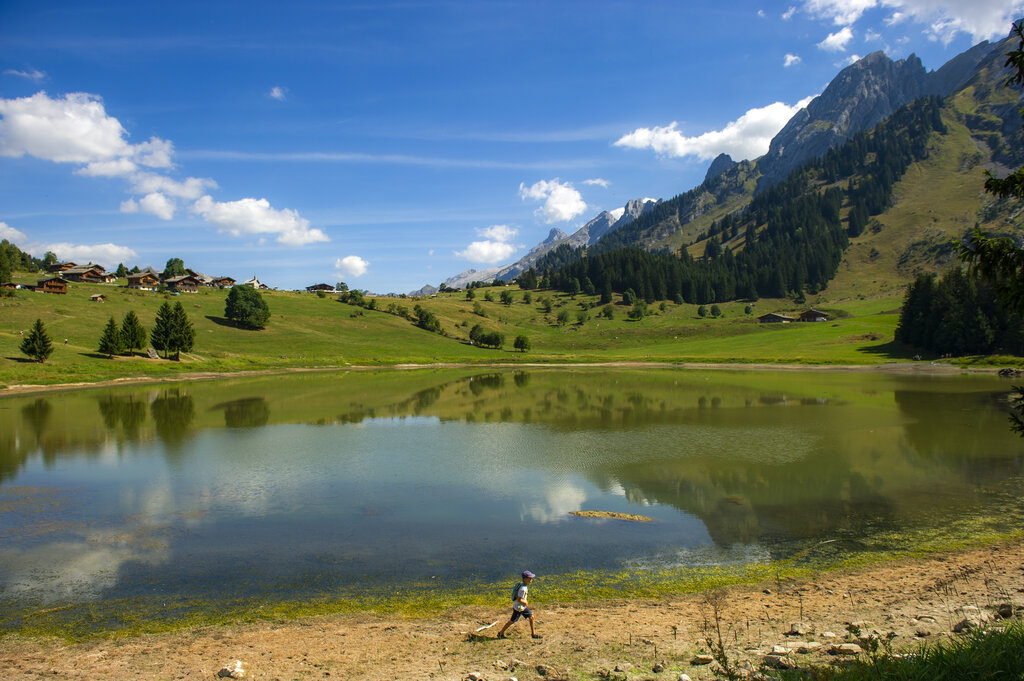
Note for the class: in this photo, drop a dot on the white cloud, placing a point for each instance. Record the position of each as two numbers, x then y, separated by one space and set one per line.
12 235
119 167
852 59
598 181
498 232
745 138
561 200
944 19
108 254
31 74
190 188
788 14
836 42
279 93
351 265
791 60
761 13
487 251
255 216
129 206
74 129
157 204
496 246
841 12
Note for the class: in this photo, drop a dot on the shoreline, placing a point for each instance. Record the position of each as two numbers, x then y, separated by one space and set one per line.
917 600
921 368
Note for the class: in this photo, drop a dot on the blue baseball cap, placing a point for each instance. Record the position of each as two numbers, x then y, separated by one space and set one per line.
527 573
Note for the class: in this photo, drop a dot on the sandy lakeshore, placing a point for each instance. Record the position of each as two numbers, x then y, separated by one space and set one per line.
918 600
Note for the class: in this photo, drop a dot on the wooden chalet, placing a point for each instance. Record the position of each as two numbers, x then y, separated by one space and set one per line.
143 281
61 266
10 286
97 298
52 285
223 282
186 283
87 274
320 287
775 318
813 315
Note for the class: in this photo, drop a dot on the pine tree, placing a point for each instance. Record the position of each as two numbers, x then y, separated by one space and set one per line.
133 333
160 337
37 343
111 341
183 333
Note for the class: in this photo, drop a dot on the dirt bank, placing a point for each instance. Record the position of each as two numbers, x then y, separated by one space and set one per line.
918 600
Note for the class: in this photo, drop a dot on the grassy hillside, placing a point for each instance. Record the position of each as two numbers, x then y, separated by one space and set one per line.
308 331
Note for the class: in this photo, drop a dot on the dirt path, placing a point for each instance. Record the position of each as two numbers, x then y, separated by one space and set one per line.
918 600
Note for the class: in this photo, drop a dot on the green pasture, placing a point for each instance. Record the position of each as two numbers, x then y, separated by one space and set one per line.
306 330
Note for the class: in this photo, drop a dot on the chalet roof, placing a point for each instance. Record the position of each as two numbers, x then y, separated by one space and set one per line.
181 278
82 269
776 315
143 273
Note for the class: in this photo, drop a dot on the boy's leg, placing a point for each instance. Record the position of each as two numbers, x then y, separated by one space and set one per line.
533 632
501 633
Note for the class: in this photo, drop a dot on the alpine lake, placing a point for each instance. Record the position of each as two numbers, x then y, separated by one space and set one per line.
144 507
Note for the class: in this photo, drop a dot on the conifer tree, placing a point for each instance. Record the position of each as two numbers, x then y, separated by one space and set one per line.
160 337
183 333
37 343
111 341
133 333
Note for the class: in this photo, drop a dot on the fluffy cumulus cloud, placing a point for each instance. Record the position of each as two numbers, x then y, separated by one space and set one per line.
256 216
837 42
600 182
943 19
77 129
351 266
745 138
561 200
12 235
279 93
108 254
495 246
790 60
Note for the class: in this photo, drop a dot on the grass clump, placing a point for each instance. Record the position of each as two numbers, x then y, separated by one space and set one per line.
979 654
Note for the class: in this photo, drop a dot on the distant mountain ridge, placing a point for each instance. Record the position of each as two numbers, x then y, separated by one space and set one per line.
860 96
589 234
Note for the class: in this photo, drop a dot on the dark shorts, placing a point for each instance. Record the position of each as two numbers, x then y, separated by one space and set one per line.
516 614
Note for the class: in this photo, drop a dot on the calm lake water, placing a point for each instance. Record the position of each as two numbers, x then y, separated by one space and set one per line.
305 486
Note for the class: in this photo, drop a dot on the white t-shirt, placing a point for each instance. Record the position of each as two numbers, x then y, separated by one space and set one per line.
520 596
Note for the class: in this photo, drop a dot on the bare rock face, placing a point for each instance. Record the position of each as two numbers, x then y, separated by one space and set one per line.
857 99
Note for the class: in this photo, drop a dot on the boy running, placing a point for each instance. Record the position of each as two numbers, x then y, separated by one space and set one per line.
520 605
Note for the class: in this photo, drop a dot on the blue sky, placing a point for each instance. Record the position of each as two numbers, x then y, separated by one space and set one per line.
393 144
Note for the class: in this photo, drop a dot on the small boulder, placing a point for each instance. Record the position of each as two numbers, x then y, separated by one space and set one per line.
796 629
778 662
701 659
808 647
658 667
780 650
845 649
683 677
1005 610
475 676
